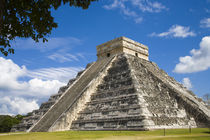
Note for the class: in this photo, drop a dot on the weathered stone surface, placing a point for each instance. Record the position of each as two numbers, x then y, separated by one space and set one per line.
123 91
171 105
122 45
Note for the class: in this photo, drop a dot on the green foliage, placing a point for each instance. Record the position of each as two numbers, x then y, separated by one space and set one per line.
29 19
6 122
19 117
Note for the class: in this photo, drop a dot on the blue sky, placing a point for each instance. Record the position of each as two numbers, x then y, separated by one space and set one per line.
177 33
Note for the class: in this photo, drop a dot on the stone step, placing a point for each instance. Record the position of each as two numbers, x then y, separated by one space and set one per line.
107 86
47 104
115 90
114 119
125 81
164 120
116 80
111 99
120 108
122 74
114 93
118 69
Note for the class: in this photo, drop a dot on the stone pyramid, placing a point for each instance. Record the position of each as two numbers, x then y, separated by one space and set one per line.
122 90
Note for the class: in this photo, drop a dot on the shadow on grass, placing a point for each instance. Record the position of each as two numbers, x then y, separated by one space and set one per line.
207 132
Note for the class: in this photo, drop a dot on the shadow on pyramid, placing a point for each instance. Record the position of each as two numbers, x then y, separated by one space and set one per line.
122 90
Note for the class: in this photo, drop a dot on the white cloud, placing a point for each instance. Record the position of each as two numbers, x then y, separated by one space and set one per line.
115 4
61 74
19 95
148 6
187 83
198 61
10 72
131 8
42 88
143 5
205 23
53 43
176 31
10 83
126 11
139 20
65 57
16 105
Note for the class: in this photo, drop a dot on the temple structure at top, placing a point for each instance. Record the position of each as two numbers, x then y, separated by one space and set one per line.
122 45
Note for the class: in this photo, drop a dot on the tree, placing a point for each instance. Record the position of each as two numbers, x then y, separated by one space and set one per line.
29 19
6 122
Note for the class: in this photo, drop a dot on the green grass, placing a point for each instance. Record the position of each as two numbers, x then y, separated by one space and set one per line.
171 134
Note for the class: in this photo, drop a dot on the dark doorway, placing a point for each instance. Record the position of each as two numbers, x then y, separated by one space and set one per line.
136 54
108 54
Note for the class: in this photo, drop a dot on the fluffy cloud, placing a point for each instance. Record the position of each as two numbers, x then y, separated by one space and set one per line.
176 31
42 88
142 5
10 72
17 105
10 83
187 83
21 96
205 23
198 61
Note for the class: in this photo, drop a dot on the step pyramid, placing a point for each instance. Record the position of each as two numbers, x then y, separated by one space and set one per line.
123 90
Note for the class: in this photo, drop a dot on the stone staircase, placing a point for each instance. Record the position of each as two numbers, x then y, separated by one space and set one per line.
70 96
115 104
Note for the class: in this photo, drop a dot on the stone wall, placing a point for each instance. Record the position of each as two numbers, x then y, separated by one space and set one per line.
122 45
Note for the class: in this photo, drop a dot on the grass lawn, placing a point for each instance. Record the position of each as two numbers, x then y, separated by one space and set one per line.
172 134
